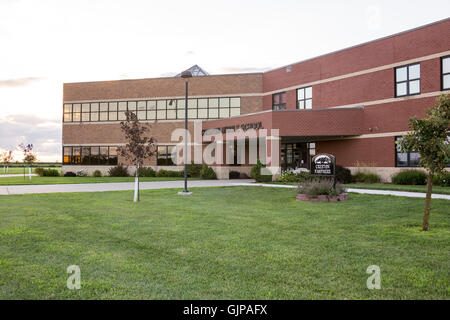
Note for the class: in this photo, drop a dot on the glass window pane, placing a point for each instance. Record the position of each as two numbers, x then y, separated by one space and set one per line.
76 116
171 114
161 114
170 161
308 104
171 104
95 155
301 104
446 81
162 156
94 107
67 155
112 115
414 159
151 115
94 116
402 159
202 103
308 92
151 105
235 112
103 106
192 103
300 93
85 116
132 105
446 65
67 117
414 86
161 105
213 113
77 107
180 113
202 113
181 104
122 116
76 155
235 102
224 102
401 89
213 103
85 154
400 74
122 105
192 113
85 107
283 97
67 108
141 105
103 159
224 113
414 71
112 106
142 115
103 116
113 157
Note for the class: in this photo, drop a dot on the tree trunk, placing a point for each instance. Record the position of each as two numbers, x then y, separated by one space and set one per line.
426 214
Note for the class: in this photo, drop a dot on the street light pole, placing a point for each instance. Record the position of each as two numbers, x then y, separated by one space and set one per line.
186 75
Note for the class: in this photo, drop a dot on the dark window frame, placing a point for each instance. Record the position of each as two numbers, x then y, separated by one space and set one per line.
408 80
444 74
280 105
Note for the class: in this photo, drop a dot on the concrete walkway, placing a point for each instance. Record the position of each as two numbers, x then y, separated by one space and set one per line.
179 184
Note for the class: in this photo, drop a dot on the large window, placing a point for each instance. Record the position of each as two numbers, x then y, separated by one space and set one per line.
405 159
167 109
407 80
279 101
445 68
304 98
90 155
164 156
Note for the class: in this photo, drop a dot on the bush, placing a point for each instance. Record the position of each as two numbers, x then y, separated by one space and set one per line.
118 171
193 170
414 177
207 172
317 187
169 173
288 177
97 173
442 179
39 171
146 172
50 173
70 174
234 175
343 175
366 177
255 173
81 173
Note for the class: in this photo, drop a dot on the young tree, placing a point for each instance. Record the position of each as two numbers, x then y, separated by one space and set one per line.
428 137
28 156
139 146
7 157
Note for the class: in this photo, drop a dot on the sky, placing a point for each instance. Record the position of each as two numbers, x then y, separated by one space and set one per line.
46 43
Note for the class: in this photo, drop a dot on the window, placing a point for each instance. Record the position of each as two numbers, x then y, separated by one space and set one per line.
304 98
407 80
279 101
405 159
90 155
67 158
164 156
445 67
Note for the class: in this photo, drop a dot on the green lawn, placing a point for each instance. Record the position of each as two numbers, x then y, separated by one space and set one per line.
221 243
397 187
64 180
16 170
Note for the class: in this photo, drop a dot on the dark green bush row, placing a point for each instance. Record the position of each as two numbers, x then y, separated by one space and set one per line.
366 177
207 172
97 173
255 173
169 173
118 171
70 174
318 186
193 170
411 177
343 175
146 172
42 172
442 180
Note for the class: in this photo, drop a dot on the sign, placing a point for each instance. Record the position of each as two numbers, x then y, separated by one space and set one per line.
323 164
243 127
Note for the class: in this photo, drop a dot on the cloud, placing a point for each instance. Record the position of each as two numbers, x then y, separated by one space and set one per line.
19 82
44 134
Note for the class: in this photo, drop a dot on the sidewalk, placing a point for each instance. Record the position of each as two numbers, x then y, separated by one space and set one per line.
17 175
179 184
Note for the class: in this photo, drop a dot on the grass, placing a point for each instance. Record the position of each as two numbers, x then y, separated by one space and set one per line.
397 187
219 244
7 181
16 170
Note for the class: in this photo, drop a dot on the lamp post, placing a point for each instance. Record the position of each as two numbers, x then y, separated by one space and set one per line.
186 75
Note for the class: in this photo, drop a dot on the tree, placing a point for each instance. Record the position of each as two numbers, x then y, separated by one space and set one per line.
428 137
7 157
139 146
28 156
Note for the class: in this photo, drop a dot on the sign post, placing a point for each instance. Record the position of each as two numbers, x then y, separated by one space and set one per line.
324 164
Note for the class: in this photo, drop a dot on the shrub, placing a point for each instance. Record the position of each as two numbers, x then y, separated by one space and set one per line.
118 171
255 173
162 173
193 170
70 174
39 171
234 175
207 172
146 172
415 177
288 177
50 173
343 175
81 173
97 173
317 187
442 180
366 177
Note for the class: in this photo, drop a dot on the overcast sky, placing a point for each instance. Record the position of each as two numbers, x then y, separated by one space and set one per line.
46 43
